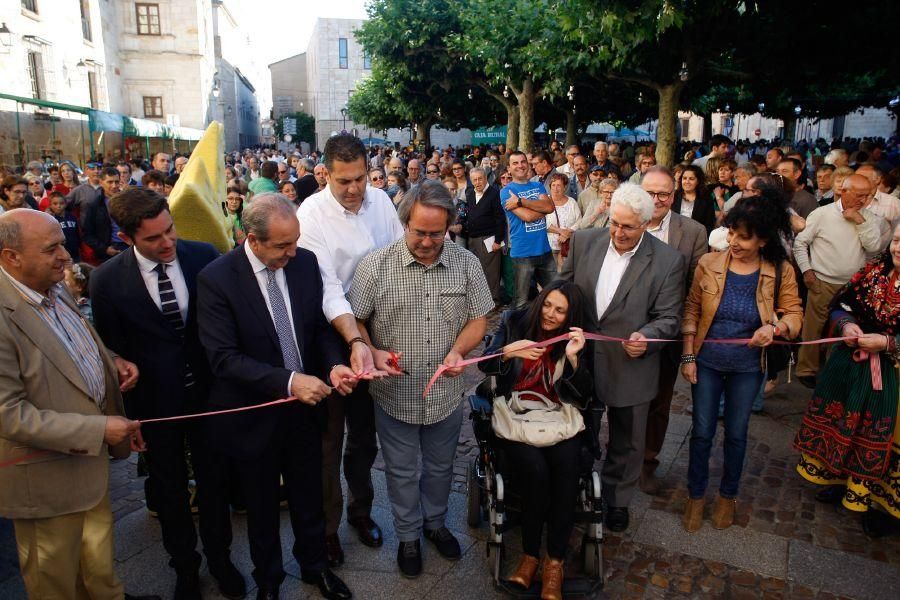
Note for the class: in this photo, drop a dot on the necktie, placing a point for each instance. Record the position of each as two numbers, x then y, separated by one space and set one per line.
282 324
169 307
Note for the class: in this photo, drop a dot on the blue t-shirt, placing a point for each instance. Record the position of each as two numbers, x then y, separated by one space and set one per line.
525 239
736 317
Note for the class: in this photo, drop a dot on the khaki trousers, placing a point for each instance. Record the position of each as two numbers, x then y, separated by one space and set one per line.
70 556
817 300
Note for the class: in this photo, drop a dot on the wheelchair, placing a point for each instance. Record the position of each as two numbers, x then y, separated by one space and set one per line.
492 498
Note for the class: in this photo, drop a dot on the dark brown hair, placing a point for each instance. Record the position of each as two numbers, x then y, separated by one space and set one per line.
131 206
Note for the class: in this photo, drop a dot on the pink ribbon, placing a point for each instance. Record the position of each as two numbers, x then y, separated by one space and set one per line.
874 359
606 338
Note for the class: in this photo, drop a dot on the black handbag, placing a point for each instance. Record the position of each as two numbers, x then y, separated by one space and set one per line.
779 356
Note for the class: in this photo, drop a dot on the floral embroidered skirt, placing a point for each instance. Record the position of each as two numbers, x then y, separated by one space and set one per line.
850 434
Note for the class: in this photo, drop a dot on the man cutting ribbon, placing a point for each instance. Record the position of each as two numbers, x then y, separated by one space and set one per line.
424 300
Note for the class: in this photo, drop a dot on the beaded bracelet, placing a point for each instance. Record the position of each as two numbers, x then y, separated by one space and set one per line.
688 358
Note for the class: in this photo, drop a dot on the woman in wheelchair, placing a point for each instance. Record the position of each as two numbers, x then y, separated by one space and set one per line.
549 475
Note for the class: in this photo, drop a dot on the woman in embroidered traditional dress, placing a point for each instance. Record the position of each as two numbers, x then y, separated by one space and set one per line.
850 436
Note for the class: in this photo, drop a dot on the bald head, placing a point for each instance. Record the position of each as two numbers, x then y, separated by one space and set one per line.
870 173
32 248
855 191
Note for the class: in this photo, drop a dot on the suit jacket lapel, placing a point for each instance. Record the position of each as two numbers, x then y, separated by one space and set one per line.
594 256
675 231
638 263
189 269
25 317
250 289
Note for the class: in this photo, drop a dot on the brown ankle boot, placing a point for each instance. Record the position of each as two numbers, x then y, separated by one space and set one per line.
551 579
723 512
525 571
693 515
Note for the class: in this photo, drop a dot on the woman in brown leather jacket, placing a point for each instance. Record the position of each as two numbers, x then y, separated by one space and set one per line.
733 296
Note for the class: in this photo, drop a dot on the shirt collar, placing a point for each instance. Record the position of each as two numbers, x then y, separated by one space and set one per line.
337 206
663 225
255 264
407 257
145 264
628 254
31 296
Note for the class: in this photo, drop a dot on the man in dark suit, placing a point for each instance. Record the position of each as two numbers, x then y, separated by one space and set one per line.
145 309
634 287
261 322
688 237
306 184
98 230
486 221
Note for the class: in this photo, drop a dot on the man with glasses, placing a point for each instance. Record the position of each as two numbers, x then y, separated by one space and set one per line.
633 285
425 302
284 173
414 172
341 224
688 237
526 203
569 167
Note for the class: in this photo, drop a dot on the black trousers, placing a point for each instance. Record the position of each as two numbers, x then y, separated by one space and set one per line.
548 482
294 452
168 481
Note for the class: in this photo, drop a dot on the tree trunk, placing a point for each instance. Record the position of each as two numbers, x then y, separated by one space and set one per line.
423 134
665 130
526 116
571 128
512 126
707 128
790 129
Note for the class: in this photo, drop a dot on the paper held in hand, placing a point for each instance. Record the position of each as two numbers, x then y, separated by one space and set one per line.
489 244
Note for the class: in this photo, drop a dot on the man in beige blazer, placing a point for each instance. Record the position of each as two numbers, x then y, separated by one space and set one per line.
60 419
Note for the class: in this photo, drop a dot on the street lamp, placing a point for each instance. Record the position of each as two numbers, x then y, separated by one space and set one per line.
683 74
343 119
761 106
215 90
5 35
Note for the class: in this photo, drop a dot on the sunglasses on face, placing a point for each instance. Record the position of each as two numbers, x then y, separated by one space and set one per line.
432 172
377 178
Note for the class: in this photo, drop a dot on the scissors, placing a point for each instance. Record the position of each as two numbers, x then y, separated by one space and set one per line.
394 363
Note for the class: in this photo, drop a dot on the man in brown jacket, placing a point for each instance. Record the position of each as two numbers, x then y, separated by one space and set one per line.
60 418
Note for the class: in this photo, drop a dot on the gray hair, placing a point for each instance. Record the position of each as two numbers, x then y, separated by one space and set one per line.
428 193
259 212
634 197
599 145
10 234
748 168
606 182
477 170
308 165
834 154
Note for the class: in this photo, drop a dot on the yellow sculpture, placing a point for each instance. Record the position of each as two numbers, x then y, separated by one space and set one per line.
196 200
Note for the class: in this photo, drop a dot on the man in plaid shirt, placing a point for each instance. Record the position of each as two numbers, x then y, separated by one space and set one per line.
420 303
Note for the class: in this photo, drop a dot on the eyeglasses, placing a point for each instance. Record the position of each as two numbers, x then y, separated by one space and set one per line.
378 178
432 172
627 228
660 195
457 168
421 235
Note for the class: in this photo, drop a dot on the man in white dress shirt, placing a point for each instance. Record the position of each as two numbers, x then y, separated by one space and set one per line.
341 224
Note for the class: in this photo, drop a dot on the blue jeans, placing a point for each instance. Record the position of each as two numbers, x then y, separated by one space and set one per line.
740 391
543 268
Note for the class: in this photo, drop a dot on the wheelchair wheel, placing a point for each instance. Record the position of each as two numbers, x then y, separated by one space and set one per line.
591 558
473 497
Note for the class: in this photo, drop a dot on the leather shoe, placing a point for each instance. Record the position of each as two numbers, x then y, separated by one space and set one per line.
231 582
187 585
329 584
368 531
130 597
333 551
617 518
409 559
443 540
267 594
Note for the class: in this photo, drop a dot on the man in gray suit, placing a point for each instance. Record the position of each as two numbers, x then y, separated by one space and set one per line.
634 287
688 237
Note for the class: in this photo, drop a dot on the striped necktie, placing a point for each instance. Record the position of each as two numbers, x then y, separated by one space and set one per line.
282 321
170 310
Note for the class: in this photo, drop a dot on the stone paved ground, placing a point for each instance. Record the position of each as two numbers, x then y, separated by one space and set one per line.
784 544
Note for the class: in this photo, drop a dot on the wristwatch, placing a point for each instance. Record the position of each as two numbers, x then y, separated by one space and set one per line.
519 202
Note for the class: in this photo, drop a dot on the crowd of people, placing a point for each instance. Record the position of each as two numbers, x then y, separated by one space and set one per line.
358 272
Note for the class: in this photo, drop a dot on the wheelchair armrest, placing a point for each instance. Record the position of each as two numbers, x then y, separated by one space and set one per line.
481 405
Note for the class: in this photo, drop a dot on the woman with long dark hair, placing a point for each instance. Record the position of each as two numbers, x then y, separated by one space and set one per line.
692 200
850 438
733 295
560 373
